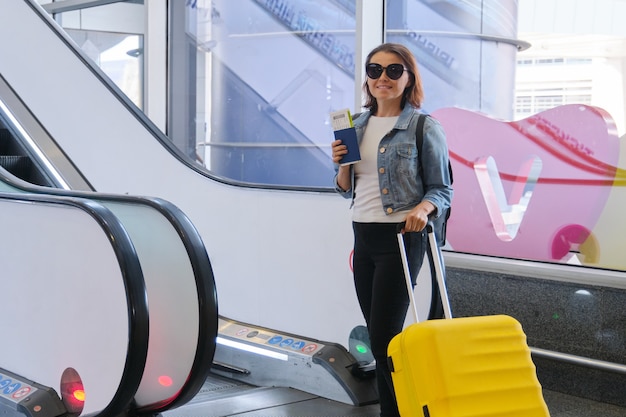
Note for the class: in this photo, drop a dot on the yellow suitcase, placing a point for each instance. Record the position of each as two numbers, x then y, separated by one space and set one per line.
463 367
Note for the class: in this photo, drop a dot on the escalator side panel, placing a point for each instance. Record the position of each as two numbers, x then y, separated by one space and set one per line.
75 300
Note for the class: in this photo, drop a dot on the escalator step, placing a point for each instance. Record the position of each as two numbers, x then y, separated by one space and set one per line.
20 166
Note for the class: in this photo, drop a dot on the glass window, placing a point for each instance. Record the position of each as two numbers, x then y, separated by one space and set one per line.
112 37
118 55
460 61
266 74
579 104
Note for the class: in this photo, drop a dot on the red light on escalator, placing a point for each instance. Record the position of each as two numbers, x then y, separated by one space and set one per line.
165 380
72 391
79 395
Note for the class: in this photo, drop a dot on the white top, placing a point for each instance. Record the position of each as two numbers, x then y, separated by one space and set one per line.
368 207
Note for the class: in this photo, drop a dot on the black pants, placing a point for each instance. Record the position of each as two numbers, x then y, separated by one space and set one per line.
382 294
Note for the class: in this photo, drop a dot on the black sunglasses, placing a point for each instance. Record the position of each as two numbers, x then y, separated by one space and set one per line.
394 71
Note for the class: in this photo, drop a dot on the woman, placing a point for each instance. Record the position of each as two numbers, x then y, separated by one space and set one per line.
386 188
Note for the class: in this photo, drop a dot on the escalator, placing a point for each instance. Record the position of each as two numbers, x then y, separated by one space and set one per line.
155 358
15 161
171 265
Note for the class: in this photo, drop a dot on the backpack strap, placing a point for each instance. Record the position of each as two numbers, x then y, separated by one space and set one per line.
419 140
441 222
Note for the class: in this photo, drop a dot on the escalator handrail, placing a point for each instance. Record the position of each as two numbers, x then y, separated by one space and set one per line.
200 264
207 300
137 302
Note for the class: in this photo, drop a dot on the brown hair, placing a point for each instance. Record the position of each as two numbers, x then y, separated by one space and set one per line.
413 93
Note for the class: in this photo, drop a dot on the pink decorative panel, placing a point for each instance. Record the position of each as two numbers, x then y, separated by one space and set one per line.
534 188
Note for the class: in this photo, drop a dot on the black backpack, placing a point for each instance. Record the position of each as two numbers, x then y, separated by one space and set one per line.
440 223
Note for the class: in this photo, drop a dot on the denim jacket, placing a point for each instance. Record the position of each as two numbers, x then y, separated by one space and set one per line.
399 182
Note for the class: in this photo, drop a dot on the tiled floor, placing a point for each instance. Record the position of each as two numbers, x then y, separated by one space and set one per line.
239 400
562 405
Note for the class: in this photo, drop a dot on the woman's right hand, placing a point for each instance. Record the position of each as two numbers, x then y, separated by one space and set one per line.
339 150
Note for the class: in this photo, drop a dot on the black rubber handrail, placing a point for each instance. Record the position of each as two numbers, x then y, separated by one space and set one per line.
207 300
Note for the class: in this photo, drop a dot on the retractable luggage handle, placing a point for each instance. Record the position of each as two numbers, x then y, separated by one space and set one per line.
435 261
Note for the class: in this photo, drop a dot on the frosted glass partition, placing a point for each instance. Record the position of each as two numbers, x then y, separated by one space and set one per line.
74 287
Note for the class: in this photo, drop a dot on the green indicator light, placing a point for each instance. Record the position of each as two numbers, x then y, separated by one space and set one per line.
361 348
556 316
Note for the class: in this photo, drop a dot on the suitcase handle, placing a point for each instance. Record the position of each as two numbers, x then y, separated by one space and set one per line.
435 260
429 227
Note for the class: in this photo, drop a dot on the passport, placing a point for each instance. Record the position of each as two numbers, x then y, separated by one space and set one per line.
344 130
348 138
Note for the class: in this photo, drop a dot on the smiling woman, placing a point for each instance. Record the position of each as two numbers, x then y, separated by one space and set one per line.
388 186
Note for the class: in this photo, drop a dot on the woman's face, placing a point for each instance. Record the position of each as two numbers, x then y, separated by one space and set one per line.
384 89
